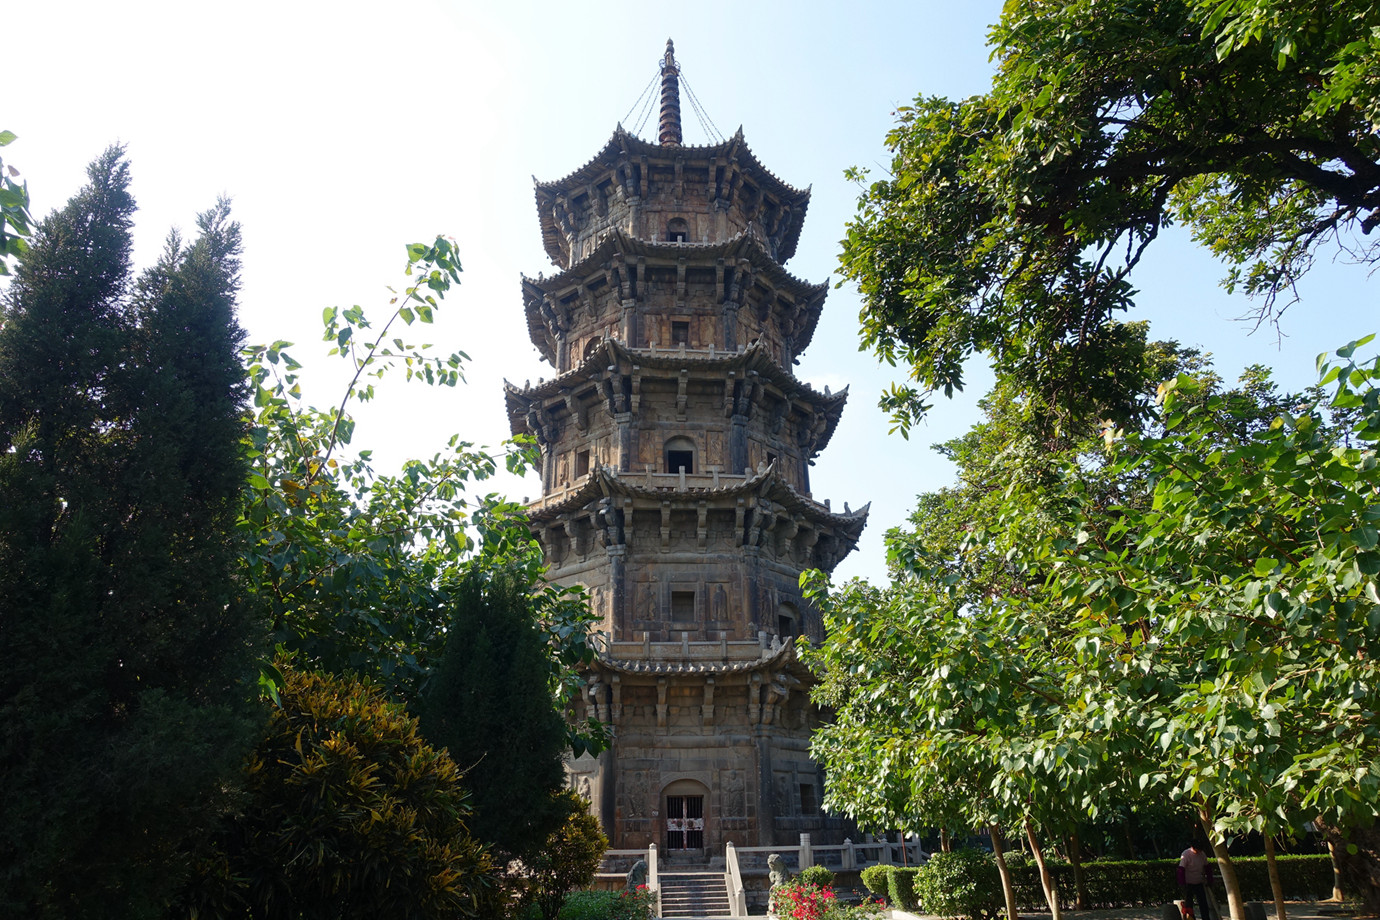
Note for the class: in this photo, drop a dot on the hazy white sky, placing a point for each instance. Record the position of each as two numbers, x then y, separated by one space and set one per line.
344 130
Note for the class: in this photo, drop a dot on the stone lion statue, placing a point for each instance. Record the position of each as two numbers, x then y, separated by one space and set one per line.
780 875
637 875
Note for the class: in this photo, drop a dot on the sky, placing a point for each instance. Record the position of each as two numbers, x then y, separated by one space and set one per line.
343 131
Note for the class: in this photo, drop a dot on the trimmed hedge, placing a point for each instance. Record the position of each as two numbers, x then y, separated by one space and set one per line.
1150 882
901 887
874 879
961 883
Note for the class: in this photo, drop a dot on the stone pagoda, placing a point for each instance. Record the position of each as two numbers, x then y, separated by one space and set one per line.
676 449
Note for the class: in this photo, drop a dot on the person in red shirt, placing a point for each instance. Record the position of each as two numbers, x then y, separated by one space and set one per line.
1195 874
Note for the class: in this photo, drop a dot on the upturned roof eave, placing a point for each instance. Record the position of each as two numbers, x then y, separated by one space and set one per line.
622 141
744 242
605 482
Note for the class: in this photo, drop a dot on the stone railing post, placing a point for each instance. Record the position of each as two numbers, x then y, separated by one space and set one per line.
652 883
807 855
849 860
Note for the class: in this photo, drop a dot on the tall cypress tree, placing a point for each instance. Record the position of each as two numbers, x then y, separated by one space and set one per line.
124 700
488 702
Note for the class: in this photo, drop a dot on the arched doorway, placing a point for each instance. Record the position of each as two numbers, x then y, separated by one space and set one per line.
684 806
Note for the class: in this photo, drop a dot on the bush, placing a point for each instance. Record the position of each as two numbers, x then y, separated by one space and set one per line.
347 814
962 883
819 876
901 887
797 900
568 860
874 879
867 910
1139 883
608 905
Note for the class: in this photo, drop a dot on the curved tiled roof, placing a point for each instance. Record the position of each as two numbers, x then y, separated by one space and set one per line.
745 244
783 653
606 482
753 358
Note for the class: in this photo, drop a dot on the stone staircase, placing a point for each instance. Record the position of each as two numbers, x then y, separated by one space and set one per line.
694 894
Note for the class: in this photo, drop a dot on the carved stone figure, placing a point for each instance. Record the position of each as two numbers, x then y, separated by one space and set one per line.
780 875
637 875
635 801
734 794
785 802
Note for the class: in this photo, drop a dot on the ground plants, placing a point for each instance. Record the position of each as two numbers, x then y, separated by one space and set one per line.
634 904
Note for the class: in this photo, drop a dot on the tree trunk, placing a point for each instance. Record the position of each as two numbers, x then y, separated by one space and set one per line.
1275 887
1046 880
1007 889
1219 849
1360 870
944 840
1080 886
1336 870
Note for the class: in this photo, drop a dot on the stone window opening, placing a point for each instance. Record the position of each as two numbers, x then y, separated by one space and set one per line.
680 333
787 620
808 805
680 455
581 463
677 230
682 606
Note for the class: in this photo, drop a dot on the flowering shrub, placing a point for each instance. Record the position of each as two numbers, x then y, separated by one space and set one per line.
799 900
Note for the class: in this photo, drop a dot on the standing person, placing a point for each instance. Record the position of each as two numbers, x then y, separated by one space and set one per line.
1195 874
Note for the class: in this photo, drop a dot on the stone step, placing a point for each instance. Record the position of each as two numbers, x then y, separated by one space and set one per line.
693 895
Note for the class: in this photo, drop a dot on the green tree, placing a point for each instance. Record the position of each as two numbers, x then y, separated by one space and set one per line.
568 860
15 222
355 565
1192 616
489 701
1010 223
125 704
348 814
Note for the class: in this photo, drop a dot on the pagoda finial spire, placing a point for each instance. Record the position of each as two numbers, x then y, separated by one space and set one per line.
668 133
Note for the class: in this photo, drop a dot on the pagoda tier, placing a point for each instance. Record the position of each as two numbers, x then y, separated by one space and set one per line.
729 719
732 547
621 406
719 295
714 192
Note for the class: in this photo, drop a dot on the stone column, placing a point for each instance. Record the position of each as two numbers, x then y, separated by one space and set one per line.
766 791
738 446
